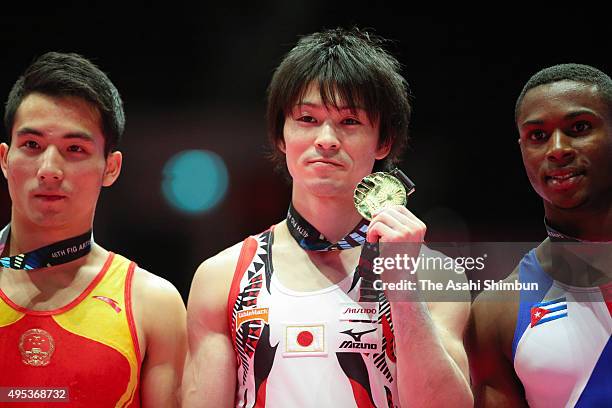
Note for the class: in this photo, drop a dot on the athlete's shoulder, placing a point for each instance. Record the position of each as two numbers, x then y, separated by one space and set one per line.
222 265
498 305
145 283
212 279
499 300
498 309
209 293
158 306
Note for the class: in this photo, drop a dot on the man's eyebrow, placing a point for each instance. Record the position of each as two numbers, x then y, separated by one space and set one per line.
306 103
340 108
532 122
570 115
72 135
580 112
29 131
79 135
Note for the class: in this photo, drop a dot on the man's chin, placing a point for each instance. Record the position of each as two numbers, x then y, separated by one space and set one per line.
328 188
50 219
567 203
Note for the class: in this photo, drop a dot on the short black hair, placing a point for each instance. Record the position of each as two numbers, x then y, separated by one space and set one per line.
348 65
569 72
67 74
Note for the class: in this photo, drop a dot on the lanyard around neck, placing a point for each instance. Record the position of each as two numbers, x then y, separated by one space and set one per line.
311 239
54 254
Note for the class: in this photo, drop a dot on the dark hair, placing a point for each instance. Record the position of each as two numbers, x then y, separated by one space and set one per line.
59 74
569 72
350 66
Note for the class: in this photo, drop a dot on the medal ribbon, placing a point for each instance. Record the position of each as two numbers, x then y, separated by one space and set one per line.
557 236
310 239
51 255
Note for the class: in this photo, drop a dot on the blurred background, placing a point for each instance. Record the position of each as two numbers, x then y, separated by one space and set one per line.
195 178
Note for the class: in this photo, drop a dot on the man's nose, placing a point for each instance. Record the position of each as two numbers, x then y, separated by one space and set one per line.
327 137
51 165
560 150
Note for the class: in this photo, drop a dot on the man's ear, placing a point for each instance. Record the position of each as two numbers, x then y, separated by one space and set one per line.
280 144
383 150
113 168
4 148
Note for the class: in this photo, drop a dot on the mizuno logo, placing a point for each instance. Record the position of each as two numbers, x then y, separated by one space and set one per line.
355 345
357 336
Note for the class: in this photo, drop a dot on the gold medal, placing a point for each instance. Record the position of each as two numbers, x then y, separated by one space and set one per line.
380 190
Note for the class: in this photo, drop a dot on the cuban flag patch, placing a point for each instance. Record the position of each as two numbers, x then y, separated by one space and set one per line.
548 311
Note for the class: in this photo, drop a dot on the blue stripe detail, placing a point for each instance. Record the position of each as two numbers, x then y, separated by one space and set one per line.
555 309
548 319
550 302
597 392
529 271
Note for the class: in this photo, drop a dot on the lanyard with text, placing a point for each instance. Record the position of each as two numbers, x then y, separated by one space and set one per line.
557 236
51 255
311 239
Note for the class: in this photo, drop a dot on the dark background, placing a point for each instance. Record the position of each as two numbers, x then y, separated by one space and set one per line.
195 78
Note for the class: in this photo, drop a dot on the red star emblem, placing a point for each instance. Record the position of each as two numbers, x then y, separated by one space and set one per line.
537 313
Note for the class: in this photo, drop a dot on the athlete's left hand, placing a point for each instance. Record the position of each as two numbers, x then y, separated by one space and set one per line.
396 224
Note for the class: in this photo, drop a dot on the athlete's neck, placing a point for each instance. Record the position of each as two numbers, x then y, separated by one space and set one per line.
37 289
583 224
26 236
334 217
